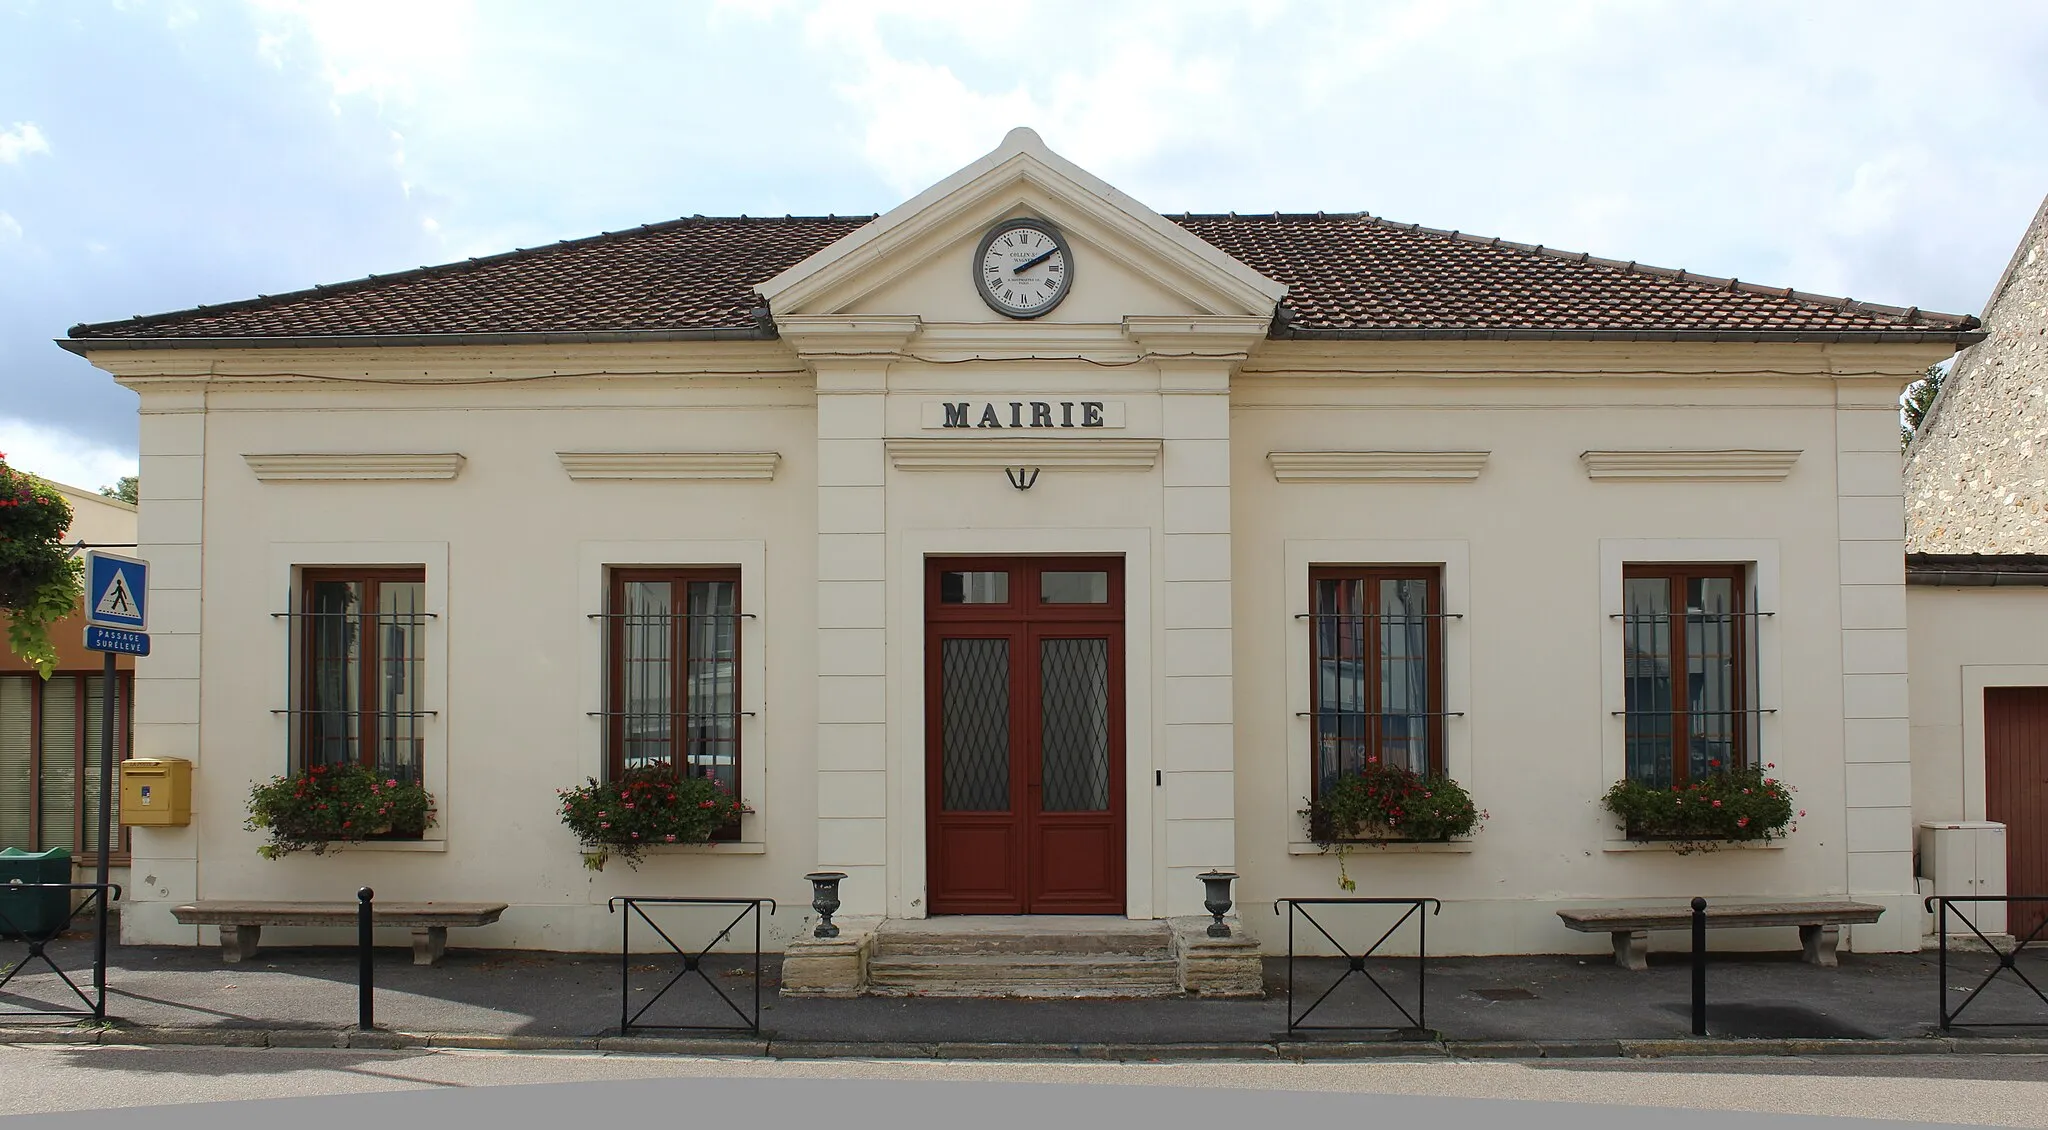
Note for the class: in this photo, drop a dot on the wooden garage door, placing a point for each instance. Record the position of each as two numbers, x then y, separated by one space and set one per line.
2016 795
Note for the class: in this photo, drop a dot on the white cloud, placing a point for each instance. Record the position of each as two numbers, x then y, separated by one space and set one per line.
22 140
382 49
61 455
10 228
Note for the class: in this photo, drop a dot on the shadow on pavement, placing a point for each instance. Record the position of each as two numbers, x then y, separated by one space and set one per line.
263 1061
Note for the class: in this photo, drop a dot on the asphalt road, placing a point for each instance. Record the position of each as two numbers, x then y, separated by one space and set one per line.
309 1089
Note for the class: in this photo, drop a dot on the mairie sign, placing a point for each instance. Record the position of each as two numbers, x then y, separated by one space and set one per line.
116 591
116 639
1023 413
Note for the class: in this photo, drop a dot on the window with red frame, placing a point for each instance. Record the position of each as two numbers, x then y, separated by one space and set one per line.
1376 666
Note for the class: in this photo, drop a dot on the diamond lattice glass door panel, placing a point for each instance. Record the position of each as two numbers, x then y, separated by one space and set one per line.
974 724
1073 728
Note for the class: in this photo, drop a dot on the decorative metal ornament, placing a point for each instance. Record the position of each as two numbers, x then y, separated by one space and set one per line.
1216 899
1023 478
825 900
1022 268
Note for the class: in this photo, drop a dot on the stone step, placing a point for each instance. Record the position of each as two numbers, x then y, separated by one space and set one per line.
970 936
1022 945
1024 975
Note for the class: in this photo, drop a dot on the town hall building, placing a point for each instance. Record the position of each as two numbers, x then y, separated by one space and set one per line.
1024 551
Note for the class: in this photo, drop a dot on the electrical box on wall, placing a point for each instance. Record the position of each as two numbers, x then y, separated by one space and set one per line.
1963 859
156 792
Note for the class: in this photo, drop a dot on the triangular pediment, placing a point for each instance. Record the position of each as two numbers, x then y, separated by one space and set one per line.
915 260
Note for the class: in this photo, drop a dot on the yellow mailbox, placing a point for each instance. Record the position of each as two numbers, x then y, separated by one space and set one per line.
156 792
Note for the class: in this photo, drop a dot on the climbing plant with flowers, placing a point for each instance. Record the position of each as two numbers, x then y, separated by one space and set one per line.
1724 805
644 808
325 805
40 582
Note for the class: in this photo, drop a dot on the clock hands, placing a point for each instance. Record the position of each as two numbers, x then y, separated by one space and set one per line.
1030 263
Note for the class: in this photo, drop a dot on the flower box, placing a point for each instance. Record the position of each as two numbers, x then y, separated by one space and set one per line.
1387 804
643 809
1724 806
325 806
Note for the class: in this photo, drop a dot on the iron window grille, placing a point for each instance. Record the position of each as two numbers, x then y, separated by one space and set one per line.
671 682
1688 671
1376 669
359 659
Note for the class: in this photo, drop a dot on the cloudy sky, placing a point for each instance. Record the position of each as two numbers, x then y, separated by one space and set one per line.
157 154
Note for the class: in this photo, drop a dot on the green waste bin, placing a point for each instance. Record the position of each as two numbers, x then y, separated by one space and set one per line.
40 913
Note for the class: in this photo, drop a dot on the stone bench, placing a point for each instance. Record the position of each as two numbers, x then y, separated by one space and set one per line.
1820 924
241 922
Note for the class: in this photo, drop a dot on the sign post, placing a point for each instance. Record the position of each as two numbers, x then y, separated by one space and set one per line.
117 620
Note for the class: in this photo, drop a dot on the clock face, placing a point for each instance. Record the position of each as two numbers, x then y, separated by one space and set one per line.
1022 268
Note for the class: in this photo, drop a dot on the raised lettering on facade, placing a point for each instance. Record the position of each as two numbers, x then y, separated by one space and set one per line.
1026 415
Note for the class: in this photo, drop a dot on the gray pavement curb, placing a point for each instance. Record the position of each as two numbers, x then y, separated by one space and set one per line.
757 1048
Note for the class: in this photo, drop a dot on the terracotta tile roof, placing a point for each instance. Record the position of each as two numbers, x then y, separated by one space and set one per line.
1359 272
1347 274
688 274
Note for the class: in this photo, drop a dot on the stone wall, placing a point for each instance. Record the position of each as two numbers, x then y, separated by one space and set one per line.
1975 482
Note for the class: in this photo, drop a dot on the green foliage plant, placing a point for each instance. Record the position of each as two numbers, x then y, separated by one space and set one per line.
41 581
1725 805
1382 804
645 807
327 805
1918 400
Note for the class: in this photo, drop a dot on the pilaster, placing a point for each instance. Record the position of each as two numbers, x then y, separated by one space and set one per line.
164 867
1877 781
1195 358
851 358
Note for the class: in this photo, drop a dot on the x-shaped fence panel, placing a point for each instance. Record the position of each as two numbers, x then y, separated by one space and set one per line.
37 944
2005 961
686 962
1417 910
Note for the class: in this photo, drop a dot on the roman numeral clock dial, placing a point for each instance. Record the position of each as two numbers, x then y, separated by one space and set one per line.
1022 268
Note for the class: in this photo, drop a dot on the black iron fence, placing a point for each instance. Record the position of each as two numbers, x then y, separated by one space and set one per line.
1417 910
683 962
2005 962
22 924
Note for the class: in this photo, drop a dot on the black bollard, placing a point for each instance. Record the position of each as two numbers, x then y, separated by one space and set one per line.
1699 966
366 1010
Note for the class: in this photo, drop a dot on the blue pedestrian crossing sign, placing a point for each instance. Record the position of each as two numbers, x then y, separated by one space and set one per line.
116 591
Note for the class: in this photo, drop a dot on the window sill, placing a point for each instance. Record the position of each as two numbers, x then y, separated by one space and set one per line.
393 845
1671 847
717 847
1392 847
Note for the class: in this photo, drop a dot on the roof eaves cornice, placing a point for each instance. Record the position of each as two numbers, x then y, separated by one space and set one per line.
763 330
1286 331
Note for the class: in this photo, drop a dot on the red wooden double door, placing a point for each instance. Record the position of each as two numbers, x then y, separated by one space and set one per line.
1024 735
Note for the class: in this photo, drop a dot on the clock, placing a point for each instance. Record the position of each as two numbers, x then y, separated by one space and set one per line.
1022 268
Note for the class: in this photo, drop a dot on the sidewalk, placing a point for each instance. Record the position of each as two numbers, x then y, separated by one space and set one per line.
1513 1006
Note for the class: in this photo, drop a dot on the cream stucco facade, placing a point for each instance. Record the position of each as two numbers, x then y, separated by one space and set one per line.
1226 467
